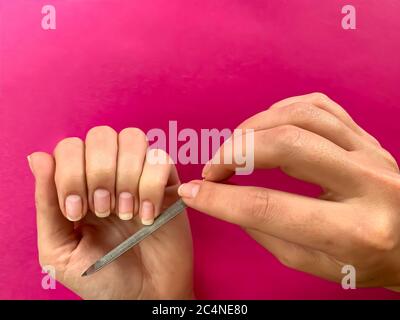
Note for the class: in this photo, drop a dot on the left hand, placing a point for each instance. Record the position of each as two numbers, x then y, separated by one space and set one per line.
83 211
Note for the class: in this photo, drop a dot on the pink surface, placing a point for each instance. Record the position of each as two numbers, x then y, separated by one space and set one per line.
205 64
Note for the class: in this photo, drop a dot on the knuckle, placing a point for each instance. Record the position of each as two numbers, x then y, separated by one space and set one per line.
379 236
100 131
305 111
292 260
106 172
319 96
44 206
274 106
128 177
389 159
386 186
260 204
147 188
288 137
286 261
74 181
148 185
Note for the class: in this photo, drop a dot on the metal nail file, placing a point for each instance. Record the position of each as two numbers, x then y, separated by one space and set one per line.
133 240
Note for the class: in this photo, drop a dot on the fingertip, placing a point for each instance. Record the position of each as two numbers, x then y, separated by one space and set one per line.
41 164
216 172
189 189
206 169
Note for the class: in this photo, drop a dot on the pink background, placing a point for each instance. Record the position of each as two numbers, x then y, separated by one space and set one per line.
205 64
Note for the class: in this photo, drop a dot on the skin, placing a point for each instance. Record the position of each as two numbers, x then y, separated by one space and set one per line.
356 220
160 267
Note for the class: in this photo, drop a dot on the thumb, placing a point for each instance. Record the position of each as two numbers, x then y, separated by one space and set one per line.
234 204
53 229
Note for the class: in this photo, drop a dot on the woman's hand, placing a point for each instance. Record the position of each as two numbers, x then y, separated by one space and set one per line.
86 196
356 220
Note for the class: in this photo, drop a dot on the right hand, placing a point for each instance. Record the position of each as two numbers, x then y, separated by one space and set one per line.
356 220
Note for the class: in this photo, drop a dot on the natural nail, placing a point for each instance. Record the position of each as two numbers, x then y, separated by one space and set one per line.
189 190
125 206
73 207
147 213
102 203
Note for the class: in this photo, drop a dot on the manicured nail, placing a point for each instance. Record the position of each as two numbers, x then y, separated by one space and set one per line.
30 163
189 190
73 207
147 213
102 203
206 169
125 206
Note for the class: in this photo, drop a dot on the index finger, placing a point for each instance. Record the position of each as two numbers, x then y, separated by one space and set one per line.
323 102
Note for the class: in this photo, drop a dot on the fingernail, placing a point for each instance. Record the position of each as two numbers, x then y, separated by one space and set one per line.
125 206
73 207
189 190
30 163
206 169
147 213
102 203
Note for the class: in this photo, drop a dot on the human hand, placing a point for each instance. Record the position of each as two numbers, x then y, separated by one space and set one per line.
356 220
110 174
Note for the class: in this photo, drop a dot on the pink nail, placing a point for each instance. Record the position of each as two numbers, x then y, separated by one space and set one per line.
73 207
102 203
147 213
125 206
189 190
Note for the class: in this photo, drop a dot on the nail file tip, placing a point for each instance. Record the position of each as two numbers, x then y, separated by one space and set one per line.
88 271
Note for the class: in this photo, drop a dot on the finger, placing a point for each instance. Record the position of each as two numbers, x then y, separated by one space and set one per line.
370 145
298 257
53 228
305 221
101 165
308 117
299 153
70 178
132 147
158 172
324 102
